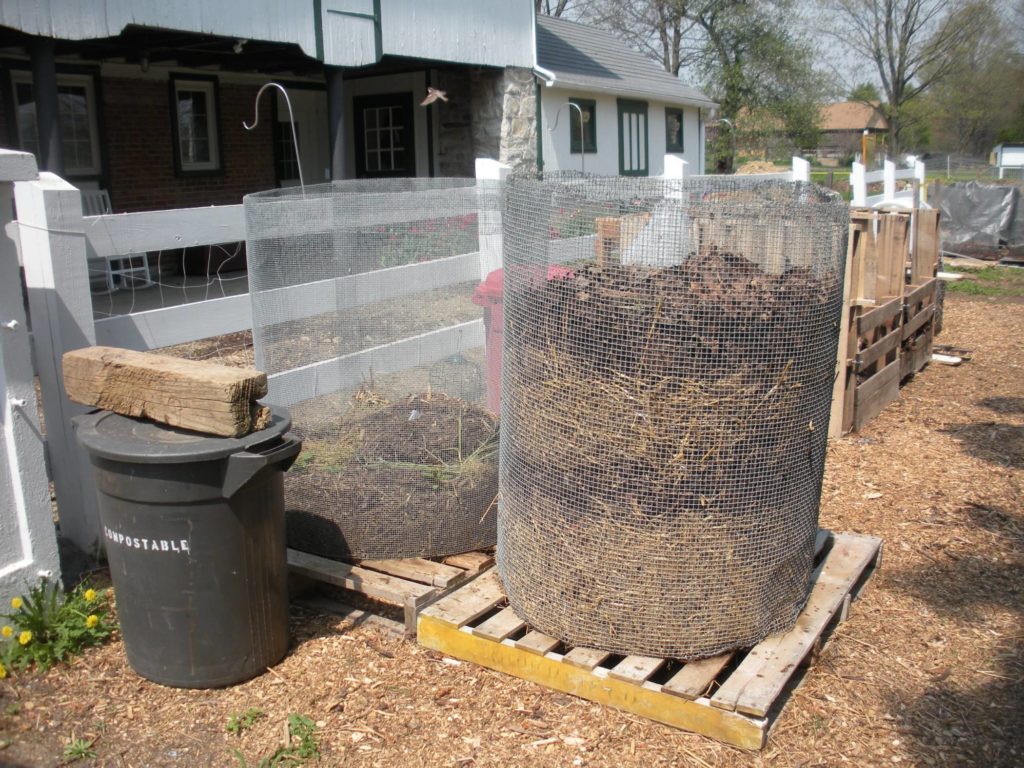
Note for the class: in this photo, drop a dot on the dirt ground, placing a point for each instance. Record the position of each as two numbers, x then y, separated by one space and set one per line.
927 671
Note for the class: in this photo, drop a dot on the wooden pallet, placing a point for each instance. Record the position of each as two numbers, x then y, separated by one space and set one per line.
411 583
735 697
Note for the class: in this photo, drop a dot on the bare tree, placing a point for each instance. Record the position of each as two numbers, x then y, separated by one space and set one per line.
909 43
548 8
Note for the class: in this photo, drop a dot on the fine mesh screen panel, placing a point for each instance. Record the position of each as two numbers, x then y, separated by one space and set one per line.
364 320
668 366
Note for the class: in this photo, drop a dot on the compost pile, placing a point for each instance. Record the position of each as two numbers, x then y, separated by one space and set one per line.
416 478
663 447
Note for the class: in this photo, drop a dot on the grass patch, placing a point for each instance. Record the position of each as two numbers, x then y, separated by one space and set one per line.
989 281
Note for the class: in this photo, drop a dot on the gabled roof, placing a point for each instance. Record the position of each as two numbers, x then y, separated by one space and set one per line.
852 116
592 59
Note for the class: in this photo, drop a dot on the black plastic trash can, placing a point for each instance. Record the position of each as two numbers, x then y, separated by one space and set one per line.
194 533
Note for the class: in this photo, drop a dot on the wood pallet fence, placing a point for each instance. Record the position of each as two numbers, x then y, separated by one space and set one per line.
886 329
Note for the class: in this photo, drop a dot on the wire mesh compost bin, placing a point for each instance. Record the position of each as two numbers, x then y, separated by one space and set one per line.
665 406
364 323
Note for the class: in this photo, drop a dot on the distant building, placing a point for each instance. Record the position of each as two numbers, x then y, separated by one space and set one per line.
843 126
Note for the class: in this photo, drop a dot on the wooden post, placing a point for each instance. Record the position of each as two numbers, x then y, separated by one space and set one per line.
28 548
53 250
490 174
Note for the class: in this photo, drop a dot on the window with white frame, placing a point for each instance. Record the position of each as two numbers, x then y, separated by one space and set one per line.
196 146
76 104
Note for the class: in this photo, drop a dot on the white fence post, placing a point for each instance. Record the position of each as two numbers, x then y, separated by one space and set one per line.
28 546
801 169
675 167
53 250
489 175
858 185
889 181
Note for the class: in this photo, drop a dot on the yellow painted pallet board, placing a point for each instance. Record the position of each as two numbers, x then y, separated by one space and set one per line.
734 698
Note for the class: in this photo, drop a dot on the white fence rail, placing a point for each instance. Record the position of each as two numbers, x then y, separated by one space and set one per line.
860 178
56 242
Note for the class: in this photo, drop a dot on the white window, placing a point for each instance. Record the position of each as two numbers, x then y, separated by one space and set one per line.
76 104
195 111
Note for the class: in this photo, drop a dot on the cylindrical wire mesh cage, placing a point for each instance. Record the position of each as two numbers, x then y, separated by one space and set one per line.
365 322
669 358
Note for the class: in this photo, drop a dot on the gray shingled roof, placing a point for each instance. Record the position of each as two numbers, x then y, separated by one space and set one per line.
592 59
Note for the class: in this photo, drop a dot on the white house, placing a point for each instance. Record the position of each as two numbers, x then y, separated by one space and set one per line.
628 111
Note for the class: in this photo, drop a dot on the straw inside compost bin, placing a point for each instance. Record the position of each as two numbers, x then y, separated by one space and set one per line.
663 443
418 478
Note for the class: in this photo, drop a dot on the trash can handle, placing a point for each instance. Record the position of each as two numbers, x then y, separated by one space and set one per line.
243 466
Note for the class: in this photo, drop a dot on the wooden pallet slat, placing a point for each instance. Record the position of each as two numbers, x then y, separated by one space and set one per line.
920 320
348 576
473 562
694 679
636 669
879 316
537 642
503 624
757 682
416 569
872 354
585 658
876 393
461 607
748 697
411 583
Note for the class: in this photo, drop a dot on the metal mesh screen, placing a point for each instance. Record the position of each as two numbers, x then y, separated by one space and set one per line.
669 358
364 320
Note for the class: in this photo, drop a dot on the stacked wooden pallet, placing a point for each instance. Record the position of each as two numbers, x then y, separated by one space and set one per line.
889 308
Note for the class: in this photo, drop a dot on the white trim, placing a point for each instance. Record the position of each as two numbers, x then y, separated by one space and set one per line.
209 88
88 84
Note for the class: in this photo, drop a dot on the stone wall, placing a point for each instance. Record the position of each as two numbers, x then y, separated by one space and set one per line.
519 120
489 113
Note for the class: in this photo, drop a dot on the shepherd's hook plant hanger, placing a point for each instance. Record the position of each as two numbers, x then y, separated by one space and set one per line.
583 147
291 119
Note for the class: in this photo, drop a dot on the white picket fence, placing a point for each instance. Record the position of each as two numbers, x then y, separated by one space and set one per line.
860 178
56 242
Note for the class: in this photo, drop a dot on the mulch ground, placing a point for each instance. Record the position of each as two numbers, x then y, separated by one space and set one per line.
927 670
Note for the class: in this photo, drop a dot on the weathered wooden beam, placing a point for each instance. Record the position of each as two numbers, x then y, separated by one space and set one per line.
201 396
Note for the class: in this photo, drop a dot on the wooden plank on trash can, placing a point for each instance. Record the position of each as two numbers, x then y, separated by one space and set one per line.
190 394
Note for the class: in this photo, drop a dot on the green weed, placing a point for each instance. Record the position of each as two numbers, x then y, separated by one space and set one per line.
48 626
244 720
79 749
302 746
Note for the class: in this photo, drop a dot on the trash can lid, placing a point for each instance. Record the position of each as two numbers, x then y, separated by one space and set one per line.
490 291
141 441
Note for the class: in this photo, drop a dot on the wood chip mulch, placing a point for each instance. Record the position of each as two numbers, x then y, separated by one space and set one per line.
928 669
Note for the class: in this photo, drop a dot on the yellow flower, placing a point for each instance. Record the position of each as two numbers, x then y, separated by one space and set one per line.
90 595
16 603
3 671
7 631
92 620
25 637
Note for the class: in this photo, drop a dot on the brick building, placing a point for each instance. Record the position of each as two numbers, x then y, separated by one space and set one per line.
146 99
